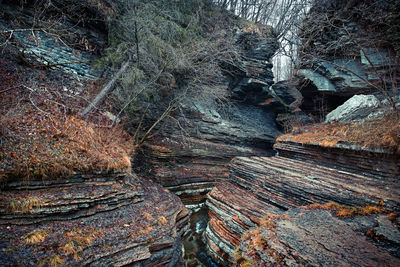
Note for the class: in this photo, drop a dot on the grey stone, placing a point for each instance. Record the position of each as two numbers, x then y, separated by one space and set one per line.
357 107
321 82
387 229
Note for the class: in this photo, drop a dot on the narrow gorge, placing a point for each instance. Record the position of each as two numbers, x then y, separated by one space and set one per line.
196 156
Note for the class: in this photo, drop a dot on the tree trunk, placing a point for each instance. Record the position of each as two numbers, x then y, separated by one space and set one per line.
106 90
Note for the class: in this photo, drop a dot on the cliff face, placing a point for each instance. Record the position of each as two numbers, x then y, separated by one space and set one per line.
281 187
348 48
262 210
92 220
331 196
193 149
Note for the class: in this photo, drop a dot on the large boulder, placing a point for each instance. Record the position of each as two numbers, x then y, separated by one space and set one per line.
357 107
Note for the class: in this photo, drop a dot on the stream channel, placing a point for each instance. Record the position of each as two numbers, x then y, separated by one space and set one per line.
194 246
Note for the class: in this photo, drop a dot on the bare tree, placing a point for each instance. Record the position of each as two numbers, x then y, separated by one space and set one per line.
285 16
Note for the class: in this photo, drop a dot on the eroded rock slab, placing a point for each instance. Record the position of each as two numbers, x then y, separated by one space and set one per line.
91 220
193 150
259 186
311 238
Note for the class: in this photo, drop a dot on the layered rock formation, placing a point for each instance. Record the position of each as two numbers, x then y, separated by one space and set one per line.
304 237
48 41
348 48
263 188
92 220
193 151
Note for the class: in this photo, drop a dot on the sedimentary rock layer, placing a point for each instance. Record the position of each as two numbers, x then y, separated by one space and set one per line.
312 238
194 148
91 220
375 163
261 186
191 168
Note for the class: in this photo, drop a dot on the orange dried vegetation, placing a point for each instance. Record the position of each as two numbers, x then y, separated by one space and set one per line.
43 141
348 211
381 132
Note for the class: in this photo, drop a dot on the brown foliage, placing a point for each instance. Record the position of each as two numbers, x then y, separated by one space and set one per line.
381 132
42 137
348 211
36 236
40 144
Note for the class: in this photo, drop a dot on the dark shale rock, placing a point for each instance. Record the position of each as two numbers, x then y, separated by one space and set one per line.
314 238
193 150
72 50
379 164
300 176
348 48
253 72
93 220
286 96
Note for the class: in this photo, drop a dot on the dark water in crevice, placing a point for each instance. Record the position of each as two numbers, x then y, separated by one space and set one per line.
195 249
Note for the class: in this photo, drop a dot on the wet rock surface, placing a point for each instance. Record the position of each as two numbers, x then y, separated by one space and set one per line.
301 176
91 220
194 246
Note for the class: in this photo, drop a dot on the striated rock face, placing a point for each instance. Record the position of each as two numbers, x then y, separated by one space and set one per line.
264 188
93 220
193 150
63 44
379 164
348 48
312 238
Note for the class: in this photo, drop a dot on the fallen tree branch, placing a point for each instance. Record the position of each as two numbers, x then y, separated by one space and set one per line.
170 107
21 30
106 90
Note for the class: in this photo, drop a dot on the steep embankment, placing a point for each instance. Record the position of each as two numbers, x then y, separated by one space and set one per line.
67 193
194 148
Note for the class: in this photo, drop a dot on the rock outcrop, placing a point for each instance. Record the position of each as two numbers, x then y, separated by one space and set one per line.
263 188
304 237
53 42
348 48
192 152
357 107
91 220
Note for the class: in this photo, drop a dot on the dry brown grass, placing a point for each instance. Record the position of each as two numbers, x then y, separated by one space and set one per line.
36 236
269 220
41 135
49 143
23 206
162 220
348 211
52 261
75 241
381 132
